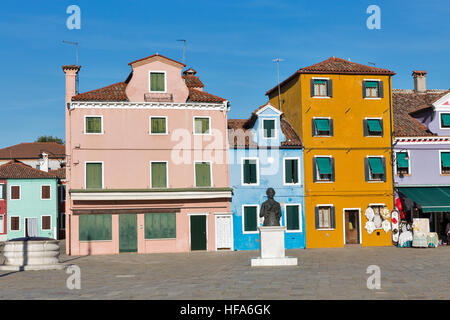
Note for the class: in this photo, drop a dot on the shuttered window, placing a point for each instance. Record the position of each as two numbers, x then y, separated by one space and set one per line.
250 171
201 125
325 217
15 192
445 120
373 127
15 223
157 81
293 217
375 168
323 169
159 174
202 174
291 171
2 191
45 192
46 223
93 124
445 162
250 215
95 227
94 176
160 226
372 89
158 125
269 128
402 163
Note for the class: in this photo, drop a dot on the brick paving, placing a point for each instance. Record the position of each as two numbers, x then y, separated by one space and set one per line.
340 273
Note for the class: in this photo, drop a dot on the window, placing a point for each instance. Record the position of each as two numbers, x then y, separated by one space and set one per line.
15 193
445 120
15 223
269 128
2 191
293 219
94 175
249 171
158 125
203 174
322 127
95 227
375 169
93 124
372 89
157 81
160 226
201 125
46 222
321 88
373 127
250 216
158 174
323 169
291 168
45 192
445 162
402 163
62 220
325 218
62 190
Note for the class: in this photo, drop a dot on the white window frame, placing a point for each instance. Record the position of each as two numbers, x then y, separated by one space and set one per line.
2 189
167 171
10 224
440 121
20 192
46 185
103 172
150 81
329 122
440 162
320 97
329 221
42 224
381 124
359 223
209 126
150 126
94 116
378 89
210 173
370 174
275 133
318 172
300 222
258 219
298 171
242 171
409 162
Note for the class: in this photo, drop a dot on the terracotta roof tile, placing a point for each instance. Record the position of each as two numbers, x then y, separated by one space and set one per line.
32 150
60 173
203 96
193 81
17 170
114 92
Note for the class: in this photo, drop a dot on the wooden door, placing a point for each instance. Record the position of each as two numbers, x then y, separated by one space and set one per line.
224 232
198 233
351 226
127 233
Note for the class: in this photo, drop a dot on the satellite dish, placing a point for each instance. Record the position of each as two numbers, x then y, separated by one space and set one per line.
369 214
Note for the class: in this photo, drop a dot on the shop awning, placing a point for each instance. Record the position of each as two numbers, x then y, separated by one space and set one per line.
431 199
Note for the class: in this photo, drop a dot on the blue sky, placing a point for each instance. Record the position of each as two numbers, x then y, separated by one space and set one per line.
230 43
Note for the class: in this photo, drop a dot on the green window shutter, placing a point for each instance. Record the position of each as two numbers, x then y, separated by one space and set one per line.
376 165
291 171
380 89
318 81
158 125
401 160
159 175
93 125
322 124
329 88
445 159
269 128
202 174
324 165
371 84
250 218
93 176
374 126
95 227
201 125
250 171
445 119
160 226
332 218
157 81
292 217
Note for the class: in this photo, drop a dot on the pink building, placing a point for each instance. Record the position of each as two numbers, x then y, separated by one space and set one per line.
147 167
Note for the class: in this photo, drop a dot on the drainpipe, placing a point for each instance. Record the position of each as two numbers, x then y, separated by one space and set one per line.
392 142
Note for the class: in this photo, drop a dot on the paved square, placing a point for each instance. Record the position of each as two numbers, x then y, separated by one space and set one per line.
340 273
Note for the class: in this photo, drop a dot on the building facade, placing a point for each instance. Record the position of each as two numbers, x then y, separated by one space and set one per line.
265 152
342 113
44 156
147 163
3 209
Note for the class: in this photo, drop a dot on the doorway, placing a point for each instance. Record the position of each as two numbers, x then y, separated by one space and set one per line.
224 232
351 226
198 232
127 233
31 228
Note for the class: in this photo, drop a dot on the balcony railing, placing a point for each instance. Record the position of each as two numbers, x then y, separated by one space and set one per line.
158 97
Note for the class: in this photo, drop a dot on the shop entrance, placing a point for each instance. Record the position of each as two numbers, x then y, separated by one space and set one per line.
127 233
351 226
198 232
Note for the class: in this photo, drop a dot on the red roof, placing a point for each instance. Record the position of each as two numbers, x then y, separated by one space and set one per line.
17 170
336 65
157 55
203 96
60 173
193 81
113 92
33 150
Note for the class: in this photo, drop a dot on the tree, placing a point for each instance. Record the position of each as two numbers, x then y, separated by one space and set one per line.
49 139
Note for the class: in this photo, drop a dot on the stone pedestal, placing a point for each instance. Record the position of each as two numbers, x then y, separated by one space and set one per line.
272 250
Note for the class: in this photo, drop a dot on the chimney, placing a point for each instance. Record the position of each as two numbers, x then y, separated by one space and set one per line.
71 72
189 72
43 162
420 81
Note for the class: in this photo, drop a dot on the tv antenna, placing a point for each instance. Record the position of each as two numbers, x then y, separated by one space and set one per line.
372 63
77 79
278 60
184 50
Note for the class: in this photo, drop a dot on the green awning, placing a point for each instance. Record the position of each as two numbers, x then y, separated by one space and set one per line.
376 165
320 81
431 199
322 124
445 158
445 119
371 84
324 165
374 125
402 162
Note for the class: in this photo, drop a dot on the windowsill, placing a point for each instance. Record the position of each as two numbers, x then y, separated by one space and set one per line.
373 136
158 134
250 232
372 98
291 184
321 97
375 181
94 133
320 136
294 231
323 181
326 229
202 134
249 184
160 239
403 175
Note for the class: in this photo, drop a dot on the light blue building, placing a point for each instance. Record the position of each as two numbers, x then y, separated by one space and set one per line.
265 151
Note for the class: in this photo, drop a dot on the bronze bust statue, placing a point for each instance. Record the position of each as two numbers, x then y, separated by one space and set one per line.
270 210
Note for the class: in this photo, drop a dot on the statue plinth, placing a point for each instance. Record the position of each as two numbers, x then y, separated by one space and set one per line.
272 250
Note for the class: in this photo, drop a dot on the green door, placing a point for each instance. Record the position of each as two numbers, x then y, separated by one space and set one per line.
127 233
198 232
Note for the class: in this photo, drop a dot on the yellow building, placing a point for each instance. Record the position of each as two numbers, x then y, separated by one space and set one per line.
342 112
